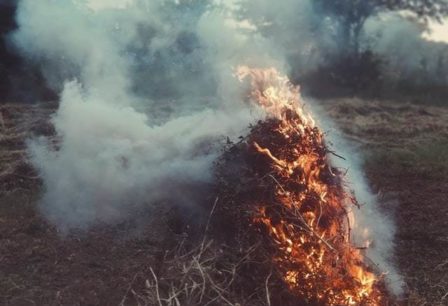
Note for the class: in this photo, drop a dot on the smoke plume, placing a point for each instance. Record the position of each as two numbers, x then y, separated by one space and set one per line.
310 38
402 42
147 96
370 226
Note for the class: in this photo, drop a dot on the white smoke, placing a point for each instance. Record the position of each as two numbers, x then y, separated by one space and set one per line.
370 227
310 38
399 38
370 224
304 37
124 142
147 94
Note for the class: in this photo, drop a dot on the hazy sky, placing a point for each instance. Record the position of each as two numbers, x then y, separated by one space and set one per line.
439 32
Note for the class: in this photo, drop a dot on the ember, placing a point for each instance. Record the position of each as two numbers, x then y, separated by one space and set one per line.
302 205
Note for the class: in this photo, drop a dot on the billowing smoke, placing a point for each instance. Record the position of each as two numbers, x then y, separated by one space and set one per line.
147 96
408 52
311 38
370 226
305 37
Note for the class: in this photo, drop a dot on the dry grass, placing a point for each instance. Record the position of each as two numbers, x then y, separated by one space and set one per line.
37 267
18 123
416 176
205 272
406 148
202 276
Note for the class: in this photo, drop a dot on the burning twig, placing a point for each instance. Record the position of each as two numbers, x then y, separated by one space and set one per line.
302 220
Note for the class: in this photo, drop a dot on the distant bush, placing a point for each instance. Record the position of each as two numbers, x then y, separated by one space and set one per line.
7 59
21 81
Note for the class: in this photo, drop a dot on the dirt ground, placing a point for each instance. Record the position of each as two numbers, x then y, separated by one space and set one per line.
405 145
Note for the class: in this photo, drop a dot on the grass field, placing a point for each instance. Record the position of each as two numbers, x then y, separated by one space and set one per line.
405 148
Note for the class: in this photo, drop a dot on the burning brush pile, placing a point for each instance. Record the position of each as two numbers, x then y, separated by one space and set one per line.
301 202
281 199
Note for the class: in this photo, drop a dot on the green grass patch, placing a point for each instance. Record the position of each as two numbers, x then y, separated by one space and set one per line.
429 160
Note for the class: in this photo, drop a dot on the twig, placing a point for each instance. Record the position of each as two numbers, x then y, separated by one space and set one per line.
444 297
201 271
268 296
320 213
128 290
218 290
304 222
156 286
268 153
2 122
208 222
441 265
335 154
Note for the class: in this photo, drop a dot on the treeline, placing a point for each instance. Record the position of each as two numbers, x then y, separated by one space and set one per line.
371 47
8 61
20 80
334 47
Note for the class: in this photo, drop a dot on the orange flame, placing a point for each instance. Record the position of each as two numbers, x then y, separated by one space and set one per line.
307 221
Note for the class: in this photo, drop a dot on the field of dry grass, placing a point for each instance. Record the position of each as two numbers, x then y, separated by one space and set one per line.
405 147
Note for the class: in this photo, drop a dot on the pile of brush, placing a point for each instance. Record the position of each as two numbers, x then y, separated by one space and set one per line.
228 261
283 187
286 211
255 248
